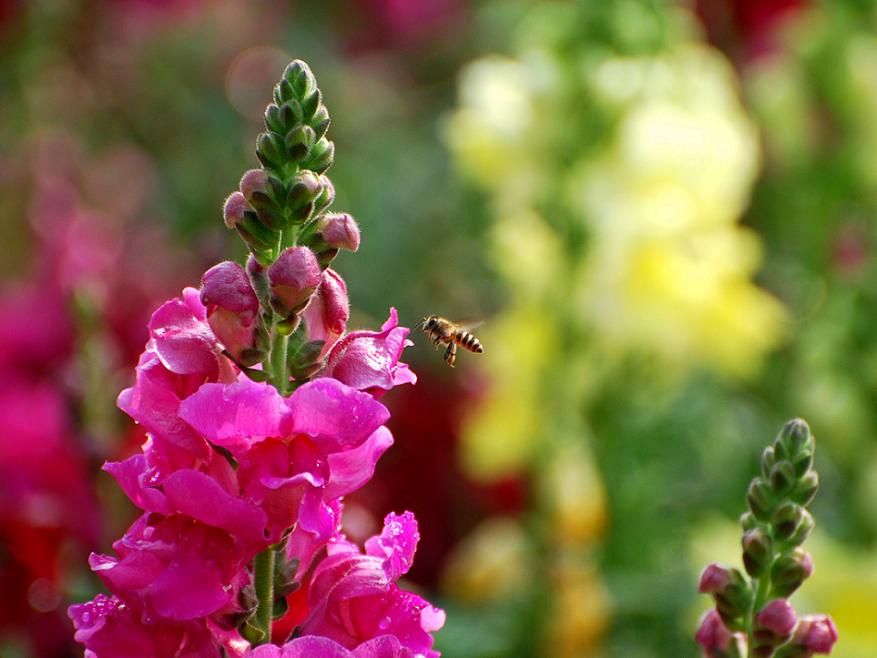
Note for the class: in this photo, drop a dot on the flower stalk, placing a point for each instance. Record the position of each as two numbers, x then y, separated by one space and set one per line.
753 618
262 414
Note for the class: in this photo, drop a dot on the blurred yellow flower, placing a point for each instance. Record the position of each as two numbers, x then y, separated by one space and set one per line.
669 269
491 564
580 608
575 499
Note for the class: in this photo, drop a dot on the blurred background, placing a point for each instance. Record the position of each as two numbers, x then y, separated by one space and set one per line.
664 212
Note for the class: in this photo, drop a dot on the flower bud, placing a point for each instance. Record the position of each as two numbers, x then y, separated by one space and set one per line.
339 231
806 488
321 156
233 311
795 437
773 626
717 641
301 195
786 519
293 278
760 499
329 310
782 477
757 552
233 210
714 579
805 527
327 196
254 180
789 571
815 634
299 75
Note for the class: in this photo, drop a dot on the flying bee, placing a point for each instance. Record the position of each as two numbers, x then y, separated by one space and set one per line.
445 332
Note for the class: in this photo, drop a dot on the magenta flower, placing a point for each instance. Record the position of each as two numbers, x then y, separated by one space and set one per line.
232 310
329 310
242 482
353 598
340 231
294 277
713 635
777 617
714 579
815 634
295 454
162 570
369 360
385 646
110 628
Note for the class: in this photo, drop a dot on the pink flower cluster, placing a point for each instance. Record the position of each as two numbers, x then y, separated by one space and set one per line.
776 623
231 468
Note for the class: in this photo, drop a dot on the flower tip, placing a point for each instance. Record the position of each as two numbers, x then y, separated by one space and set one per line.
714 578
254 180
778 616
340 231
233 210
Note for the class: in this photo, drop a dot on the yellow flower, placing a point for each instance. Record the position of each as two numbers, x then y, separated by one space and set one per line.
491 564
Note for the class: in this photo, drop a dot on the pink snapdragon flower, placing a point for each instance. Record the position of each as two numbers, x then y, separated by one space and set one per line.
369 360
385 646
353 597
714 636
110 628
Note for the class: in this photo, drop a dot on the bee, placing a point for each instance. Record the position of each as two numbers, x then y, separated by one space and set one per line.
445 332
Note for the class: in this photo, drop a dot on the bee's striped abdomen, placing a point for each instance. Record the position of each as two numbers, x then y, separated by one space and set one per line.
468 341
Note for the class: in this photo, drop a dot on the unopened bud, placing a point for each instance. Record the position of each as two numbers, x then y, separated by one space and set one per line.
327 195
796 435
789 572
301 195
757 552
233 210
806 488
293 277
339 231
730 591
299 142
782 477
717 641
714 579
760 499
299 76
805 527
321 156
329 310
270 150
815 634
254 180
233 311
768 459
773 626
785 519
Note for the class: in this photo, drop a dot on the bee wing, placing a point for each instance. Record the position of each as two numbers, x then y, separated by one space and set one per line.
468 325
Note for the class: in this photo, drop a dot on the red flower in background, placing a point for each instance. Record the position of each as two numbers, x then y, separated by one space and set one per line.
746 29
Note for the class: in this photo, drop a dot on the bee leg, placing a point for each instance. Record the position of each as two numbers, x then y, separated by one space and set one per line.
451 354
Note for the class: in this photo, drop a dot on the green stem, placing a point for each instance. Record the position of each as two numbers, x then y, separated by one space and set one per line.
758 601
263 568
279 372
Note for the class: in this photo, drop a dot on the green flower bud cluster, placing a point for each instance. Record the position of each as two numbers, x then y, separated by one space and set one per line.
281 211
285 199
778 522
755 610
